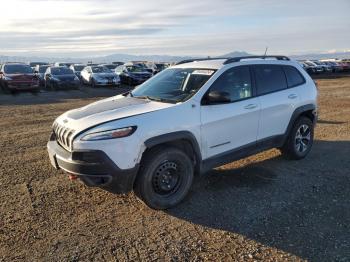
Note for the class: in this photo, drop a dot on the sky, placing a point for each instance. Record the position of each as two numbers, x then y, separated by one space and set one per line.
78 28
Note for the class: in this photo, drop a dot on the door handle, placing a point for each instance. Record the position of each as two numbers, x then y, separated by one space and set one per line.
292 96
251 106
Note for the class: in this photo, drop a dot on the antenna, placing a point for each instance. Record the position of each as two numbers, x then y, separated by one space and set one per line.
266 50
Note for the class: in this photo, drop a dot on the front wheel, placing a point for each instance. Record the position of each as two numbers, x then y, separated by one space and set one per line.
300 139
93 84
165 178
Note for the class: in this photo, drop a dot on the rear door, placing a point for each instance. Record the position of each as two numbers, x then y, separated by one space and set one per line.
227 126
277 99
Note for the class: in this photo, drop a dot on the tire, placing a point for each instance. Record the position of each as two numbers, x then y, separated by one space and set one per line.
5 89
130 82
93 85
165 177
300 139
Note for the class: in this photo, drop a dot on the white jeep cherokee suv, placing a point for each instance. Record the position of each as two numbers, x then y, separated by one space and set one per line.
186 120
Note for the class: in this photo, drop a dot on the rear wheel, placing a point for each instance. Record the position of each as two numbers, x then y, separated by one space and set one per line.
300 139
165 178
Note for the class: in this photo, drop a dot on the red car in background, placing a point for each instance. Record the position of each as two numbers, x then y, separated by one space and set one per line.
344 65
17 76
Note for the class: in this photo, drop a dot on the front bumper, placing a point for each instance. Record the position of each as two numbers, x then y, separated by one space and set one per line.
66 84
23 85
107 83
93 167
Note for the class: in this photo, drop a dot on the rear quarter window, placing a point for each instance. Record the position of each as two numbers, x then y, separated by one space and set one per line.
269 78
294 77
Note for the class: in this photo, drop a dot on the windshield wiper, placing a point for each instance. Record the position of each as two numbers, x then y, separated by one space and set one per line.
158 99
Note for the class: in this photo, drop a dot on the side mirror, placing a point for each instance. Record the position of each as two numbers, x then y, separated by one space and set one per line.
218 97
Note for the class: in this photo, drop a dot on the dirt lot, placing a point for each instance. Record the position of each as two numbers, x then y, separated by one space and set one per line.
260 208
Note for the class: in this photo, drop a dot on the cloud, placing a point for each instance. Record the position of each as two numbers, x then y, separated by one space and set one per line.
86 27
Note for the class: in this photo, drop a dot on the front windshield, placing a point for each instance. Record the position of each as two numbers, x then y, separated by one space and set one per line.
61 71
161 66
42 69
174 84
78 68
135 69
18 69
100 69
111 67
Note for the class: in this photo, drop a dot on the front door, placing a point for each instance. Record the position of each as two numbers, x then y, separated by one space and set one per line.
228 126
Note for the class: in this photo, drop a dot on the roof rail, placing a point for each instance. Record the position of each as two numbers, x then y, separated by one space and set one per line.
238 59
200 59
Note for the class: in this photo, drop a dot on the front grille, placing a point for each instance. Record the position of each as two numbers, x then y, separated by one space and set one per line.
63 136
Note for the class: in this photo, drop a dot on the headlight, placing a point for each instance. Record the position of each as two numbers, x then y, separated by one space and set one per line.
55 79
76 78
6 78
110 134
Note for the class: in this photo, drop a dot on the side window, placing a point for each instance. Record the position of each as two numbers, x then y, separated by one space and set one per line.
294 78
269 78
235 81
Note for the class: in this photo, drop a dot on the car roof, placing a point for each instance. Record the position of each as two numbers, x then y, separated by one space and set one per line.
53 67
218 63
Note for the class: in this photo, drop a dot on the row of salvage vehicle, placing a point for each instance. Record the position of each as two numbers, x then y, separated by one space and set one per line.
37 75
325 66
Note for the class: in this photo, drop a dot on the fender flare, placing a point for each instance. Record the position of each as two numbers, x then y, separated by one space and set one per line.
179 135
296 114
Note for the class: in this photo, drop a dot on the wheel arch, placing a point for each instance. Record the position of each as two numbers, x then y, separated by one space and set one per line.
183 140
308 110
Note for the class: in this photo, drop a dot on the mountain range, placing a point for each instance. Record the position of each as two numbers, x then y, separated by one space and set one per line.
156 58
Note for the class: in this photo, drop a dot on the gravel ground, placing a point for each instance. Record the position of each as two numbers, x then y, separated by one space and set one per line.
260 208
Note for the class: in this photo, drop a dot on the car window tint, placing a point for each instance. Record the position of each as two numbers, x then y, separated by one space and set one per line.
294 78
235 81
269 78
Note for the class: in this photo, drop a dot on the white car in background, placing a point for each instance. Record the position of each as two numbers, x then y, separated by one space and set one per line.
99 76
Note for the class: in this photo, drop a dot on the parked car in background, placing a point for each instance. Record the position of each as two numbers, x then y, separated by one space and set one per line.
18 76
111 67
40 71
317 68
326 68
58 64
334 66
132 74
118 63
57 77
99 76
77 68
145 65
161 66
34 64
344 65
309 69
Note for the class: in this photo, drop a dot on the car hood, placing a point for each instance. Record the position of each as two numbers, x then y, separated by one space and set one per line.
65 77
106 110
104 75
21 77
